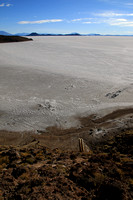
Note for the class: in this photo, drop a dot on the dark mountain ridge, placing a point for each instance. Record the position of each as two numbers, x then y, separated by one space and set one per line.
57 34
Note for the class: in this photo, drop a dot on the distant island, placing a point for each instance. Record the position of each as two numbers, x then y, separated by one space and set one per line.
6 39
47 34
54 34
68 34
71 34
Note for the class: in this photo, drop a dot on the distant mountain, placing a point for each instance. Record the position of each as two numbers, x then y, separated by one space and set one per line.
34 34
56 34
67 34
118 35
52 34
21 34
72 34
43 34
4 33
94 34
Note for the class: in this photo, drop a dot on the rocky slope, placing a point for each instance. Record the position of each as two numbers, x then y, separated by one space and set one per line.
33 171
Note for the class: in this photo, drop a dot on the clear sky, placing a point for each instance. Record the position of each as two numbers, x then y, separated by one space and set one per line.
67 16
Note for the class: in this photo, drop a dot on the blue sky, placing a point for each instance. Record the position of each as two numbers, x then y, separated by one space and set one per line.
67 16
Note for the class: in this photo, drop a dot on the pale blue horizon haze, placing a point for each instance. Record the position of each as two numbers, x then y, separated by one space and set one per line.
67 16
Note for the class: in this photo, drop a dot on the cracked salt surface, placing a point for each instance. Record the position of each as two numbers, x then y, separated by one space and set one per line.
50 80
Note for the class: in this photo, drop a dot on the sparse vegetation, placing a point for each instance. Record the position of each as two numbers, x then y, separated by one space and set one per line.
33 171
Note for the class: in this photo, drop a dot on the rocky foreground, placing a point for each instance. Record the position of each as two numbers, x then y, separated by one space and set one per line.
6 39
35 172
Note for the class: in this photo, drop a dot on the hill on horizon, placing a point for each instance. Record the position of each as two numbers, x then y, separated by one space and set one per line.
4 33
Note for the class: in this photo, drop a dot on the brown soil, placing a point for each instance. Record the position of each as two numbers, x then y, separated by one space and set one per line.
6 39
92 129
31 170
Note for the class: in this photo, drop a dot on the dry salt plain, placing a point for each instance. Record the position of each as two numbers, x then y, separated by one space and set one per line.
52 80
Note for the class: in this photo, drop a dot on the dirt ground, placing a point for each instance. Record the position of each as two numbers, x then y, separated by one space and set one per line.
92 129
33 171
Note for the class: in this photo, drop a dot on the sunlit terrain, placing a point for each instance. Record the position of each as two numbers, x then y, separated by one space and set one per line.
51 80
